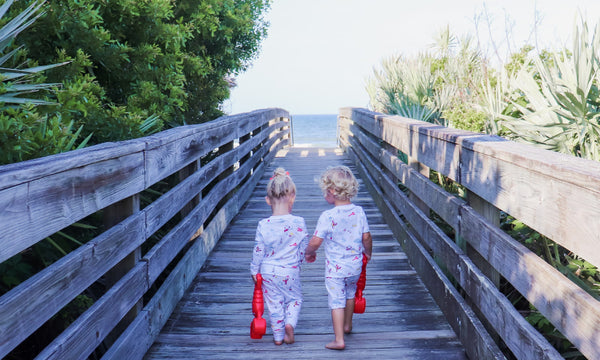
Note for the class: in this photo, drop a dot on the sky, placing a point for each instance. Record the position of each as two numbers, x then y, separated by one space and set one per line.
319 54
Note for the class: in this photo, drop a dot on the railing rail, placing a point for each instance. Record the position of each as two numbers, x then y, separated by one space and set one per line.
554 194
42 196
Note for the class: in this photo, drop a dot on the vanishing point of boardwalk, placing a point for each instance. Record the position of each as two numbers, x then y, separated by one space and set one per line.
212 321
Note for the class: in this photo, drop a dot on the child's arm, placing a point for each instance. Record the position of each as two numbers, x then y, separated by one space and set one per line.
302 248
367 242
257 254
311 250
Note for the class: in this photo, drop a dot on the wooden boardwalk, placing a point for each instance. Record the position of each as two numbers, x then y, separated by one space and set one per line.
212 321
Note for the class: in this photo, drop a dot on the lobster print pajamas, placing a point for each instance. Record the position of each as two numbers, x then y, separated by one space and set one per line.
278 252
341 229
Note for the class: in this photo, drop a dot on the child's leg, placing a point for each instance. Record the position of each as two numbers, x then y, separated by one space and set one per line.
337 301
294 304
337 317
350 284
274 301
348 313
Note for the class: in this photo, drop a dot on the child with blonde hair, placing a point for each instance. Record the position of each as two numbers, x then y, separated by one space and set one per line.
345 231
278 252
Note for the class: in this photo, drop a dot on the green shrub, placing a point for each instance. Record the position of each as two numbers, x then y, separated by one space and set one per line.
465 117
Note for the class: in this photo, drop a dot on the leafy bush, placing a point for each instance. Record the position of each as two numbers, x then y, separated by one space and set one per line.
563 108
549 99
152 57
465 117
432 87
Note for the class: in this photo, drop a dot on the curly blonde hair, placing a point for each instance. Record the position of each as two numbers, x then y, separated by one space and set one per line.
280 185
341 182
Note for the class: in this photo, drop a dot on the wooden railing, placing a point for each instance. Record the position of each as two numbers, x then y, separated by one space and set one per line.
554 194
40 197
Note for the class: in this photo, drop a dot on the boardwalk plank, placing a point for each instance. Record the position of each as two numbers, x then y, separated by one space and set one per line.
212 321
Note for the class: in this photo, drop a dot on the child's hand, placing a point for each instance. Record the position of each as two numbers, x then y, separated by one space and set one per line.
368 256
254 278
310 257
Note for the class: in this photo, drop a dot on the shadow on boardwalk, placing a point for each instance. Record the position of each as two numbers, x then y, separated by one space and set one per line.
212 321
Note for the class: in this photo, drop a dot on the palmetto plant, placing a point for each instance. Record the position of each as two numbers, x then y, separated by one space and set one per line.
17 81
425 86
404 87
562 108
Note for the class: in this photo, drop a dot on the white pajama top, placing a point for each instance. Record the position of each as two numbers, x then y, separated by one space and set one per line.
341 229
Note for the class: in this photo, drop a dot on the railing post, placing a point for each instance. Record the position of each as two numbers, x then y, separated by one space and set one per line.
113 215
183 174
222 150
492 214
291 126
423 170
259 130
243 139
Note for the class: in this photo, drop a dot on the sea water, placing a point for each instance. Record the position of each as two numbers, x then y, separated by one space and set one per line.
314 130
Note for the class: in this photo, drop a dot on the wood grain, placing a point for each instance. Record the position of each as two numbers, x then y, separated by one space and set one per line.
552 193
42 196
556 194
213 317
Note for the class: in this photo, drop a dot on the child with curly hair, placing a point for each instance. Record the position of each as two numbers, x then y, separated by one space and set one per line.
278 252
345 231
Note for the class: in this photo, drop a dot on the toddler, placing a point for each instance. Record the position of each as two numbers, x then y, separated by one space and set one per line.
278 252
345 231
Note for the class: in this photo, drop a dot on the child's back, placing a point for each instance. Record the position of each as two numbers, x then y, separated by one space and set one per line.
281 237
342 228
278 251
345 231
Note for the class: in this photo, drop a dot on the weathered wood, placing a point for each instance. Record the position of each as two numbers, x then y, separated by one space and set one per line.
444 204
193 167
27 171
163 252
42 196
43 206
164 208
166 154
138 338
113 215
478 343
43 295
58 190
214 316
575 313
492 215
90 329
553 193
518 334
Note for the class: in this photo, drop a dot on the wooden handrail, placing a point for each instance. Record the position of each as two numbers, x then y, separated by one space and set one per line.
555 194
42 196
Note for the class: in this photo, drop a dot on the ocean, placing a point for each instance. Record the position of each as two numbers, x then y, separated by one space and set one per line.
315 130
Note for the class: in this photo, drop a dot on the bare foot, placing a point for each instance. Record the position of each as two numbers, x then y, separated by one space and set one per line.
347 330
289 334
278 342
334 345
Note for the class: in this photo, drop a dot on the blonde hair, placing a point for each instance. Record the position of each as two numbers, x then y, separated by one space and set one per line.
341 182
280 185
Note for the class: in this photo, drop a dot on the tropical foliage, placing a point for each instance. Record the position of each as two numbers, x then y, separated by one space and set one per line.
430 86
549 99
561 103
136 67
119 70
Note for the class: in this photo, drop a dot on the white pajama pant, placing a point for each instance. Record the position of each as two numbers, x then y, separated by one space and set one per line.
339 290
283 296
